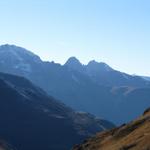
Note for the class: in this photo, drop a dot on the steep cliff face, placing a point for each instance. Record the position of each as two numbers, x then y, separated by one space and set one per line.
132 136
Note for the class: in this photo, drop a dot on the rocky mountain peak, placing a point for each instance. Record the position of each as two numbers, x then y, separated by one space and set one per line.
17 53
97 66
74 63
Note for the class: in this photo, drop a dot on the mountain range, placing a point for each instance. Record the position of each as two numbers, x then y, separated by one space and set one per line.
33 120
96 87
103 74
132 136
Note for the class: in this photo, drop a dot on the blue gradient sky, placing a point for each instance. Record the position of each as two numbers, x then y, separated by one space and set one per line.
113 31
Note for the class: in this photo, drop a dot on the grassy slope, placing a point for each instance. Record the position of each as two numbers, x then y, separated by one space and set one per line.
133 136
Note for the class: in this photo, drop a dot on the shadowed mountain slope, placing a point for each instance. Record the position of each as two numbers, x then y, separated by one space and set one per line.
30 119
5 146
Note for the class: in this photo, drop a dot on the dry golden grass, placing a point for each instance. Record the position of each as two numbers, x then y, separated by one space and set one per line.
133 136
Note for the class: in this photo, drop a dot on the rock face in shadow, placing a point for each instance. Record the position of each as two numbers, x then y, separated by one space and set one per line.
33 120
132 136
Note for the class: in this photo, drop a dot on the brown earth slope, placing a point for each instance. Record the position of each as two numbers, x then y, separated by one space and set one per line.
132 136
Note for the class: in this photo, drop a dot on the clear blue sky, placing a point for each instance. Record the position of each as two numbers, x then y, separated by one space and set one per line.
113 31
